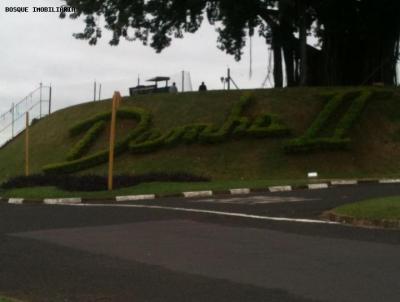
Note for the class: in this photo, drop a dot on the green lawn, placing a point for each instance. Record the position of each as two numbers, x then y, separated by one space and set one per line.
373 152
160 188
3 299
387 208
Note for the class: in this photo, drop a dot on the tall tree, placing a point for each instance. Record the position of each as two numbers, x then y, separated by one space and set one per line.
358 39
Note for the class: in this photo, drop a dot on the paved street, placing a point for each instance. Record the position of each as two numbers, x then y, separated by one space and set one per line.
67 253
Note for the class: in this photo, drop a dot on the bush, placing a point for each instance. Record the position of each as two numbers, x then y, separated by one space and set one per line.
95 182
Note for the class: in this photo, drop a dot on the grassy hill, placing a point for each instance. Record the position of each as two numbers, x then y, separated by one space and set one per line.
374 150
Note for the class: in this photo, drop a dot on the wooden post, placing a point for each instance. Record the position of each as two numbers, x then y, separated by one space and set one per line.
115 103
27 145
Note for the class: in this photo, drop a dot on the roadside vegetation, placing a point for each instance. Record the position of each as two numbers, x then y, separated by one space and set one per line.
372 144
379 212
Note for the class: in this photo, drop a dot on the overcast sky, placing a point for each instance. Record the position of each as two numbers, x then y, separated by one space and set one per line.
39 47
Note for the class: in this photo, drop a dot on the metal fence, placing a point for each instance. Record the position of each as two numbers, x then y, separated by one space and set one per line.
37 103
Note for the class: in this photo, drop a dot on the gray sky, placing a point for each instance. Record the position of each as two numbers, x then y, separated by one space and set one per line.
39 47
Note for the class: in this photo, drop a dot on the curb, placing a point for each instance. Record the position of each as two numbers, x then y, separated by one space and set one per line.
280 189
53 201
135 197
200 194
197 194
318 186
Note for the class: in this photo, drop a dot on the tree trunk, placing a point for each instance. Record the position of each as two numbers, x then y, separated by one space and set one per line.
303 44
277 50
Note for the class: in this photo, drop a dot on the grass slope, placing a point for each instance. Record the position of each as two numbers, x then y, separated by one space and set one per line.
375 149
373 209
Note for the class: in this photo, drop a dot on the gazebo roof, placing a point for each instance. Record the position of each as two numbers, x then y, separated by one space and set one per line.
158 79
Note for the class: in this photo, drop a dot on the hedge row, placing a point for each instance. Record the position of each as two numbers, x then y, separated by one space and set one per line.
309 142
234 126
234 120
354 112
185 134
84 144
101 157
267 126
94 182
87 124
144 140
323 117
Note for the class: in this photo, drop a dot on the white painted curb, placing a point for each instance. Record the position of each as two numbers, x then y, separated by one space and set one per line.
197 194
16 201
62 201
280 189
135 197
389 181
239 191
344 182
317 186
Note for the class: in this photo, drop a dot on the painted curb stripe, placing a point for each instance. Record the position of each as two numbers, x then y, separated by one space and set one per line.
210 193
389 181
239 191
197 194
135 197
16 201
343 182
62 201
317 186
280 189
241 215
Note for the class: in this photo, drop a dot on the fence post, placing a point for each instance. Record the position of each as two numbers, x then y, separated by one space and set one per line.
99 93
27 145
40 100
12 120
183 81
50 92
94 91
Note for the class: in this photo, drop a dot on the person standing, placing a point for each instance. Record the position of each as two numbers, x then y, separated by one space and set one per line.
173 88
202 87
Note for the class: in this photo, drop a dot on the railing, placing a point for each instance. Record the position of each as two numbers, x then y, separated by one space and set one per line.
37 103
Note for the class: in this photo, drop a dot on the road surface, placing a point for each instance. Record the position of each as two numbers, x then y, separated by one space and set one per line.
69 253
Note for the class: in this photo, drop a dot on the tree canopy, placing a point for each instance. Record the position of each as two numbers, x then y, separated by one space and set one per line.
358 40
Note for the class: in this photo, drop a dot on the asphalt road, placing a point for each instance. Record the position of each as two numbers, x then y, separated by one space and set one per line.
63 253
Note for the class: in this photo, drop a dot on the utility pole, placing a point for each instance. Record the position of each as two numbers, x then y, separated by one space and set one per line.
115 103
